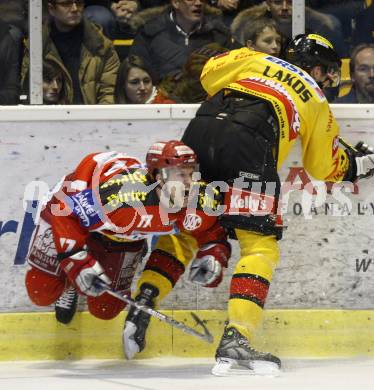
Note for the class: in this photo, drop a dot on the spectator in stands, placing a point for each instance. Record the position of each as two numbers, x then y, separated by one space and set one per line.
169 34
9 67
123 32
152 3
113 16
86 57
222 4
98 11
362 75
230 8
54 85
262 35
185 86
125 9
281 11
136 84
363 31
101 3
15 14
345 11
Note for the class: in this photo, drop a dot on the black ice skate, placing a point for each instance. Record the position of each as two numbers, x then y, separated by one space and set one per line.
235 356
137 322
66 306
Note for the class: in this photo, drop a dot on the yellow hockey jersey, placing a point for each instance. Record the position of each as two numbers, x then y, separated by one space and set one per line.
298 102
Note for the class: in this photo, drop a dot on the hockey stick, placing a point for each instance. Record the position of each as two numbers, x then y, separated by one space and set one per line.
360 147
346 144
206 336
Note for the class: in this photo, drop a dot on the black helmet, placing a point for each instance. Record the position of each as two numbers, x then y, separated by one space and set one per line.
309 50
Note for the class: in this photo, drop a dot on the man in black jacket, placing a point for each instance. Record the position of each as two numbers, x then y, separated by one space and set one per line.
167 39
9 67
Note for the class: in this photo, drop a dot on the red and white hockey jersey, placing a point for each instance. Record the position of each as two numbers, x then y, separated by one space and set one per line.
112 194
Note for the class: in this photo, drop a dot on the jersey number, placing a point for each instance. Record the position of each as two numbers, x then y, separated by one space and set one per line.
67 244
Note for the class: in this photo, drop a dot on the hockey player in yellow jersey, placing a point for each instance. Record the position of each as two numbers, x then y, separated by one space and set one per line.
259 106
294 98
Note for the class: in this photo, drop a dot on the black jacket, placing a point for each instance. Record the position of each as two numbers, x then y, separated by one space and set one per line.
364 26
166 48
351 97
9 67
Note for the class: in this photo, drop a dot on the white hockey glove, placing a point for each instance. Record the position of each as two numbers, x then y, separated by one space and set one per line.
207 268
365 166
361 162
83 271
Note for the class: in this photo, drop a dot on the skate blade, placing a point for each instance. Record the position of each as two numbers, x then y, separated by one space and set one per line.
229 367
265 368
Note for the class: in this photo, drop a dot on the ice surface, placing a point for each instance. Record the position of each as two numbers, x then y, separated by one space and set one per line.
182 374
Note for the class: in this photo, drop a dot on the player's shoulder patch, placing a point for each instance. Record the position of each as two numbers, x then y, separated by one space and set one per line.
131 187
84 207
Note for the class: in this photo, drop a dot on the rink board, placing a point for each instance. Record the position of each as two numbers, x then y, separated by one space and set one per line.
286 333
327 259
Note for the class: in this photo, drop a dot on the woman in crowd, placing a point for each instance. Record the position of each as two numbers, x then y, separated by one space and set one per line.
136 84
53 84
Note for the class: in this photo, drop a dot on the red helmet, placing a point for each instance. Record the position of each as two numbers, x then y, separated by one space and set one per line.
169 154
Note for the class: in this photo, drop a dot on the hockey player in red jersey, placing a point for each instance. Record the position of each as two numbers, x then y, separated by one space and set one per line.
96 221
